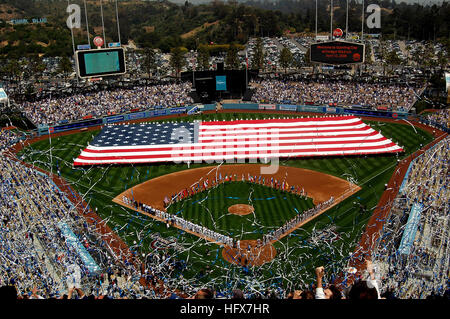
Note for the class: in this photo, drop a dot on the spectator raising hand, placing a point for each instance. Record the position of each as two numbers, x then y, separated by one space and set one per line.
371 281
330 292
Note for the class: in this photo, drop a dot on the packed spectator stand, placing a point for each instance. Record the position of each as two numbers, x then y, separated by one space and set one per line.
413 250
391 96
39 262
439 119
102 103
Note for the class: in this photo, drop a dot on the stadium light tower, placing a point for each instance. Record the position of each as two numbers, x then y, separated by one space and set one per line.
103 23
316 18
346 23
118 26
362 22
87 23
73 42
331 20
102 61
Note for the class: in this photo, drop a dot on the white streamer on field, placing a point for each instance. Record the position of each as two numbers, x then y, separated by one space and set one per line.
313 244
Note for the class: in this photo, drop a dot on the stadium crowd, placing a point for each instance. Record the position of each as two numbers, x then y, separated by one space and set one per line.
39 259
8 138
38 255
392 96
439 119
102 103
412 252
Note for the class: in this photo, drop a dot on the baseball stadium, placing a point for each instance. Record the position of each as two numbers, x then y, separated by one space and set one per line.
225 183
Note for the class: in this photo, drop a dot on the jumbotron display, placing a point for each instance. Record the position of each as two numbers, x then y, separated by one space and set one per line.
337 52
100 62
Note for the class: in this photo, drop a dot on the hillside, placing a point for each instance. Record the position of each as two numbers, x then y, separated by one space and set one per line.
164 24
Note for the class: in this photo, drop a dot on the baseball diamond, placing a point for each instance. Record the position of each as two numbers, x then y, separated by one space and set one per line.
320 187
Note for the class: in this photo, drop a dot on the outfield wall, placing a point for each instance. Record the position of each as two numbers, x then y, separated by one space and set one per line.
191 109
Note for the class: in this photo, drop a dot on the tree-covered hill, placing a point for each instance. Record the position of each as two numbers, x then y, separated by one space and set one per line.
163 24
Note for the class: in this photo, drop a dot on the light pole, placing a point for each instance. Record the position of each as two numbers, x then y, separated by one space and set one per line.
331 20
316 18
362 22
346 23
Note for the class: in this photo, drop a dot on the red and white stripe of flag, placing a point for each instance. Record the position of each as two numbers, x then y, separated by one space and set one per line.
255 139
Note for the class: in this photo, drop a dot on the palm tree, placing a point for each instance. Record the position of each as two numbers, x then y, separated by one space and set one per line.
149 62
35 66
203 57
285 59
232 60
14 69
64 67
258 56
177 60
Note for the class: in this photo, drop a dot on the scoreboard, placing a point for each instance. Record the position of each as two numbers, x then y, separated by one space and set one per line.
100 62
337 52
221 83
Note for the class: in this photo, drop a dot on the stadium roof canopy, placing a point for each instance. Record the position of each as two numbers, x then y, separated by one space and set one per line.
3 96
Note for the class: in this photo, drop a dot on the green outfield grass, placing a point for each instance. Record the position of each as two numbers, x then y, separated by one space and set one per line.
297 255
272 208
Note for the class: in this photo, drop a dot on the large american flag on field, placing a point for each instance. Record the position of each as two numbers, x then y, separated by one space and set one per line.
239 139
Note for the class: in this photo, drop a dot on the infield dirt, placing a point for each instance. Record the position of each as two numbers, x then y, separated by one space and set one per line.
319 186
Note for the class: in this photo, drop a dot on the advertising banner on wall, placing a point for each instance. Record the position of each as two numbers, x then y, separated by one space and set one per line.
267 106
331 110
177 110
284 107
115 119
135 116
310 108
221 83
160 112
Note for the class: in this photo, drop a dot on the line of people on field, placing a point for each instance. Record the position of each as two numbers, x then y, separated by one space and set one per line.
299 218
279 184
172 220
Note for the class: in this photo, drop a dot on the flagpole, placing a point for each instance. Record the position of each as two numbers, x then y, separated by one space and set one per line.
246 70
316 19
118 26
346 23
362 22
331 20
103 23
87 23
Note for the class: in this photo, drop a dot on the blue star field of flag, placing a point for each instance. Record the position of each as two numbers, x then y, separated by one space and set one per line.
145 134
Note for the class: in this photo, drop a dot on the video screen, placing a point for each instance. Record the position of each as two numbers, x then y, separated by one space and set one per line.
337 52
100 62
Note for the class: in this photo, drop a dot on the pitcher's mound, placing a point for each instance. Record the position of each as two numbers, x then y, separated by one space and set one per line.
241 209
249 253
